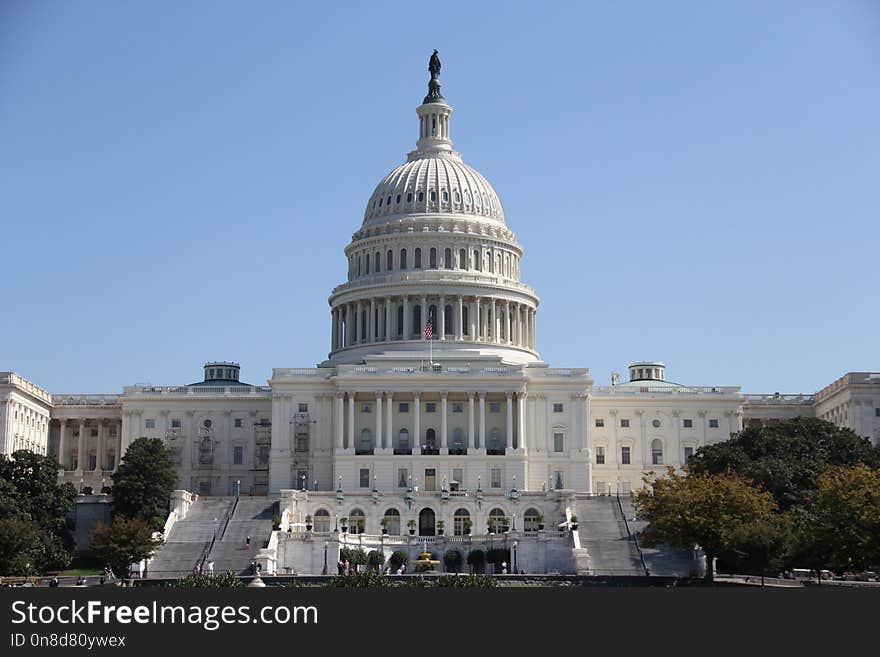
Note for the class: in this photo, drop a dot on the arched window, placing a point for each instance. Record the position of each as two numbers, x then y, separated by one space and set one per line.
357 521
447 258
426 522
489 259
497 521
462 259
430 439
403 439
366 440
657 452
447 319
403 258
432 262
392 522
532 520
322 521
465 322
461 522
389 260
417 320
417 259
477 259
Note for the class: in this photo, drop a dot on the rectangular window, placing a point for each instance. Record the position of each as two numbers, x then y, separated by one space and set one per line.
688 453
457 476
877 411
557 408
95 435
494 407
403 407
237 455
302 444
402 477
558 480
238 423
365 477
175 424
600 422
430 407
457 407
150 424
365 408
558 442
495 478
624 423
713 424
688 423
600 456
303 407
624 455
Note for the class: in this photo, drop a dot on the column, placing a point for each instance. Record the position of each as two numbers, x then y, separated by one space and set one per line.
417 430
371 323
507 337
496 321
62 444
533 337
351 420
407 329
443 400
357 324
118 445
470 442
521 421
333 329
340 419
389 428
424 301
475 320
441 310
99 451
521 326
459 324
508 439
482 420
388 319
484 321
81 448
377 441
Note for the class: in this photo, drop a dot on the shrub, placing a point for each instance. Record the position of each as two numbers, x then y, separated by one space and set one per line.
368 580
477 560
398 558
375 559
227 580
452 560
466 581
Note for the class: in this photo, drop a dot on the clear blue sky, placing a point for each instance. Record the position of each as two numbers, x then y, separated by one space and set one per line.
693 182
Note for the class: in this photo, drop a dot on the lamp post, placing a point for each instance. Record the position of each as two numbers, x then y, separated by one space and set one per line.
303 478
324 572
80 485
237 488
515 543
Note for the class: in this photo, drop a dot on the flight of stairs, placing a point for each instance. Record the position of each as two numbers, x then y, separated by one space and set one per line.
188 538
662 560
252 517
609 550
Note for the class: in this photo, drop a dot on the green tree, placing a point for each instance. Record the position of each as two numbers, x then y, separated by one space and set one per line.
840 528
21 546
452 560
397 559
29 491
476 560
143 482
760 547
709 510
786 458
124 542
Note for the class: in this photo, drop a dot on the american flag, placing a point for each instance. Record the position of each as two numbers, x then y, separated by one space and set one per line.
428 330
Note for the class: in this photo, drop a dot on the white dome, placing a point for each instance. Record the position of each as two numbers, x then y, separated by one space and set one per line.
439 183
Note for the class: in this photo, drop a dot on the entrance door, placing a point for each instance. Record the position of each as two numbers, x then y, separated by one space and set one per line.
426 522
430 479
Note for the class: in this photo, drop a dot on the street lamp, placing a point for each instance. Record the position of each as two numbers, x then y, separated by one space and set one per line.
237 488
303 477
324 572
515 543
80 485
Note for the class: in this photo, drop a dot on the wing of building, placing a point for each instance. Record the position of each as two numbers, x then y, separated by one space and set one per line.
433 386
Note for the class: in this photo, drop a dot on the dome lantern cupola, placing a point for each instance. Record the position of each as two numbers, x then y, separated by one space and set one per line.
647 371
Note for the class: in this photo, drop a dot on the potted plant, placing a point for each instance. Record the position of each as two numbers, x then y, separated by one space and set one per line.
384 523
412 526
505 524
308 523
466 524
344 522
276 523
440 525
574 522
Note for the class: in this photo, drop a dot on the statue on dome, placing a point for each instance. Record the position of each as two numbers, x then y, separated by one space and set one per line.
434 65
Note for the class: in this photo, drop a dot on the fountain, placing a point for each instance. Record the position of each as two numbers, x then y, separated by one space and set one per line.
425 564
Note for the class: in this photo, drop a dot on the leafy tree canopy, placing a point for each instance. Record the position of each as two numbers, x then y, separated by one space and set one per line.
126 541
143 482
786 458
708 510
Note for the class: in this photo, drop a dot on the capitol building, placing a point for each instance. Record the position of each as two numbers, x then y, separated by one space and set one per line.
433 410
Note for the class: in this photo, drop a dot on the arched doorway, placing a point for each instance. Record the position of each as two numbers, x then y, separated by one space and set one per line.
426 522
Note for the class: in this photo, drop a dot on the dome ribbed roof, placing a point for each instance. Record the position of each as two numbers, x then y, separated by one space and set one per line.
440 183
